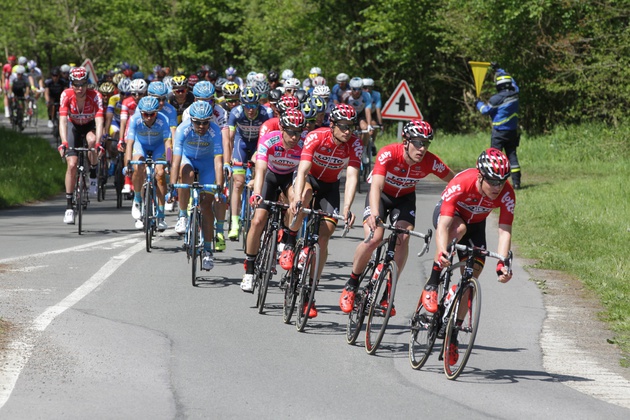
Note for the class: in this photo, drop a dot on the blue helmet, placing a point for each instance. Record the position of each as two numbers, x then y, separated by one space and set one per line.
318 103
308 110
249 96
230 71
148 104
200 110
124 86
203 90
157 89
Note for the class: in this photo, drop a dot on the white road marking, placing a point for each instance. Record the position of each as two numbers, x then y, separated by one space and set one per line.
19 351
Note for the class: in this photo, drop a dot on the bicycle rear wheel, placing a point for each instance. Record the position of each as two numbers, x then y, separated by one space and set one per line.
357 315
147 215
79 193
462 335
307 286
378 315
119 181
246 218
268 266
194 249
101 178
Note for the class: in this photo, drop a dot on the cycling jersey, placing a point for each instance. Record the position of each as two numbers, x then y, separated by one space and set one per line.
157 134
92 107
219 116
190 144
461 197
180 108
114 106
279 160
329 159
129 105
272 124
360 104
247 129
18 87
6 71
400 177
376 99
55 89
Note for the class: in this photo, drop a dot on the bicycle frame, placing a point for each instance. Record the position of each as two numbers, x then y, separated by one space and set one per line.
81 197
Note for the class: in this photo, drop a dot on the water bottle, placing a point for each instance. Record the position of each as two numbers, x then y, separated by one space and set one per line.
449 300
302 258
377 272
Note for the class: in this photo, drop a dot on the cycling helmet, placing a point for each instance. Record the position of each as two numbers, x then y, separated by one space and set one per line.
356 83
204 90
293 118
55 71
134 68
367 82
78 74
262 87
343 112
213 74
342 77
231 89
315 71
494 164
117 78
107 88
259 77
124 86
65 68
193 79
291 83
275 95
251 78
417 129
168 82
138 86
322 91
319 81
157 89
318 104
249 96
157 68
286 102
308 110
11 58
19 69
273 76
287 74
179 82
137 75
32 64
302 95
200 110
148 104
230 71
503 82
22 61
220 82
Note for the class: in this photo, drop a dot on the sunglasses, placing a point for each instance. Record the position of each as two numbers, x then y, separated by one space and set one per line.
494 182
135 95
420 143
201 123
148 114
311 120
79 85
250 106
289 90
293 133
343 127
180 91
356 89
232 101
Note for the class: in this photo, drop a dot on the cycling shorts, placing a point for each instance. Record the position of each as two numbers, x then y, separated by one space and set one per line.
205 168
475 232
77 135
159 150
243 152
273 182
397 208
326 196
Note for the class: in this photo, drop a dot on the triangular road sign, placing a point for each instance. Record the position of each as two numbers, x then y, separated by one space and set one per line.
90 69
401 105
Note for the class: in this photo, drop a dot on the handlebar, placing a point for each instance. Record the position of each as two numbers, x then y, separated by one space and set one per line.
142 162
482 252
426 236
196 185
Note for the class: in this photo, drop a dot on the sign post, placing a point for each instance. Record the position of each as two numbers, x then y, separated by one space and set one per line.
401 106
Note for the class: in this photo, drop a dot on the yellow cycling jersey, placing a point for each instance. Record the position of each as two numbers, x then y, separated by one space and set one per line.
115 105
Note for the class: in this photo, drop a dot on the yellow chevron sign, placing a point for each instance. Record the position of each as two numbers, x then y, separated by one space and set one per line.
479 70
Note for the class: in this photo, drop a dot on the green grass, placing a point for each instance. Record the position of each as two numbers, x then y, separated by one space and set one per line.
573 213
30 169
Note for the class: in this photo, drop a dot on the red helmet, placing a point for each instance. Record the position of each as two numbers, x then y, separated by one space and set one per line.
78 74
493 164
12 58
192 80
417 129
343 112
293 118
286 102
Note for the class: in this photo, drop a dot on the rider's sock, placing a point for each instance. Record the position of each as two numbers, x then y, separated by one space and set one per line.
207 246
354 280
92 171
69 200
236 219
249 263
137 197
434 280
160 212
182 213
219 226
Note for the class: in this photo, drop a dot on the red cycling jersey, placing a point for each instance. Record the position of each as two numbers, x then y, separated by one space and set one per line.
128 108
272 124
400 177
461 197
92 108
329 159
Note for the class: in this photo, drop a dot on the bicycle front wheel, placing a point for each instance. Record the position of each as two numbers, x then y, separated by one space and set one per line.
382 302
268 267
101 178
461 333
79 192
147 216
424 329
357 315
194 249
307 286
246 219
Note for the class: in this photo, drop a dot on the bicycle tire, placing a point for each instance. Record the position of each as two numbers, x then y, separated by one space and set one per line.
375 330
357 315
246 220
260 262
34 117
119 181
306 288
147 213
269 265
79 192
424 329
468 329
194 242
99 176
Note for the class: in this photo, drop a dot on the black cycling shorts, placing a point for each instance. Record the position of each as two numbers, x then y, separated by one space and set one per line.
397 208
475 232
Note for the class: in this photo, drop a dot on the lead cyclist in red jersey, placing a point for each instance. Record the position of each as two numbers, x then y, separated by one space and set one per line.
81 115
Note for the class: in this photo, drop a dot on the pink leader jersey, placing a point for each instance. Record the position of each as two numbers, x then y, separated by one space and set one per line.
279 160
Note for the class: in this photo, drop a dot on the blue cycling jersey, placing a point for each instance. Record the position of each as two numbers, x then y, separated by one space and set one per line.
190 144
149 136
169 112
247 129
376 99
361 103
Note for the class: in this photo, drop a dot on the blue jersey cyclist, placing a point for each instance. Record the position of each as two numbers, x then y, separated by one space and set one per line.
361 101
148 133
244 124
198 146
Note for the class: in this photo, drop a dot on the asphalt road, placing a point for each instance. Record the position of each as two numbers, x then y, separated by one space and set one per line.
99 328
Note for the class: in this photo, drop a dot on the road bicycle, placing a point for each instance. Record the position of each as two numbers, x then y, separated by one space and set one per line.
16 113
80 197
149 197
301 281
102 173
457 317
246 209
193 238
55 129
265 264
366 158
382 274
119 177
31 118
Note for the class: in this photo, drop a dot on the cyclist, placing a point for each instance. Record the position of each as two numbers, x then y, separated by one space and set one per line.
80 117
148 132
180 98
273 124
466 203
159 91
274 79
230 75
138 90
20 89
198 146
7 69
322 117
53 88
291 85
274 97
361 101
377 104
399 167
327 151
277 158
244 124
340 88
231 96
107 91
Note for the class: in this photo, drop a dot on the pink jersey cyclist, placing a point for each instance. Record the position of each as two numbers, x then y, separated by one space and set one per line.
279 160
329 159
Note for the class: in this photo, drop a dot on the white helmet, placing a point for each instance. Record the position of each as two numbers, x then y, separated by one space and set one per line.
64 68
356 83
291 83
250 79
367 82
32 64
19 69
319 81
342 77
322 91
287 74
260 77
22 61
316 70
138 86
